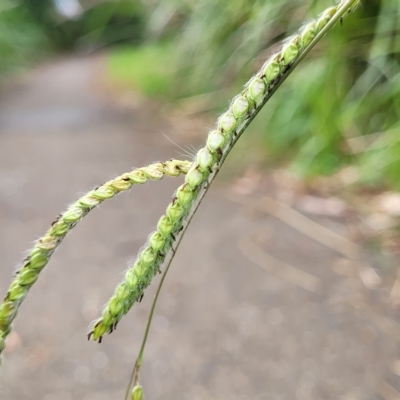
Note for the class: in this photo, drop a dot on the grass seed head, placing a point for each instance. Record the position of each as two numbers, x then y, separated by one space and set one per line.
325 17
27 277
147 257
215 140
156 241
165 226
204 158
115 306
17 293
131 278
154 171
308 34
227 123
175 212
240 107
290 51
271 70
137 393
185 194
194 177
99 329
122 292
256 90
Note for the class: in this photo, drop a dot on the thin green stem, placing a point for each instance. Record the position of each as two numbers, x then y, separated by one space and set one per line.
136 369
168 261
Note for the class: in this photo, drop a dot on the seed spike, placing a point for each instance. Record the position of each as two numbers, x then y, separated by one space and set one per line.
229 126
40 255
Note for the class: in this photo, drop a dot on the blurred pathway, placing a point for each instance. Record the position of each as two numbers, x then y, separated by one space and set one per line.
260 303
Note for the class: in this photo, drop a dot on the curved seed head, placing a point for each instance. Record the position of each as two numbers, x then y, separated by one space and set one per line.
107 318
271 70
60 228
154 171
165 226
171 168
175 212
17 293
215 140
131 279
137 177
115 307
137 393
325 17
147 257
74 214
205 158
240 107
227 122
308 34
7 310
38 262
256 90
156 241
121 183
176 167
139 269
194 177
27 277
103 193
122 292
47 243
89 201
185 194
99 329
183 166
5 328
290 51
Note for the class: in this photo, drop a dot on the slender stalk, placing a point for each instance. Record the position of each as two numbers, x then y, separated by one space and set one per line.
134 380
136 370
230 126
44 248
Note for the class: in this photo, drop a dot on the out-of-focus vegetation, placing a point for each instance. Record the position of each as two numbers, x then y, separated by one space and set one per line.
140 68
341 107
89 24
30 29
21 39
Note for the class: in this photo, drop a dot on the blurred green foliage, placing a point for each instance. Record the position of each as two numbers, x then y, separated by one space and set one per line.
21 39
140 69
341 106
95 23
29 29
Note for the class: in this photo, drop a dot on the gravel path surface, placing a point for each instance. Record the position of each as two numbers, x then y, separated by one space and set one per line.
256 306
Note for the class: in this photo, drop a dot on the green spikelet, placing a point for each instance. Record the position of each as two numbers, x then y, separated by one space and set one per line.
137 393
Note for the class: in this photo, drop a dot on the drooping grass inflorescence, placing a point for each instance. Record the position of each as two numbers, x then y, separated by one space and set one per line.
39 256
163 243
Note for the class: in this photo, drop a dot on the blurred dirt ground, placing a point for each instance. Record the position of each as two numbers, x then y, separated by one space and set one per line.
262 301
